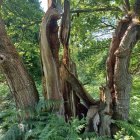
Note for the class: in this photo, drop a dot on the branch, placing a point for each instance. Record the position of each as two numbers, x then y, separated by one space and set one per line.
95 10
108 25
27 25
77 86
65 24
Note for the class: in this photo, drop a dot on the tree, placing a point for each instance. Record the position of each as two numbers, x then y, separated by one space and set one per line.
119 80
20 83
60 80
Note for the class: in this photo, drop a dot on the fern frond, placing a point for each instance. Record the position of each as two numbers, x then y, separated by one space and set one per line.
13 133
131 129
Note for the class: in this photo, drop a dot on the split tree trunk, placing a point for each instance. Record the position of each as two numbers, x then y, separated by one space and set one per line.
114 97
49 54
20 82
67 92
55 84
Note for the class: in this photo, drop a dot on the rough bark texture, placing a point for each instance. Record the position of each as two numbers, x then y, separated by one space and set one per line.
116 39
20 83
122 78
137 8
119 80
105 111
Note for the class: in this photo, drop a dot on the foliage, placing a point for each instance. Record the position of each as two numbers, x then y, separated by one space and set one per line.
50 126
90 39
122 135
22 20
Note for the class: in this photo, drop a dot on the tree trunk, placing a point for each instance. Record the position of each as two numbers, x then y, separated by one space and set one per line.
114 97
20 82
111 61
64 37
122 78
49 54
119 80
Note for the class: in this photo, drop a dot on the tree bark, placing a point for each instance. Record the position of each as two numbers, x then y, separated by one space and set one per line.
119 80
69 96
122 78
20 82
111 60
49 54
78 87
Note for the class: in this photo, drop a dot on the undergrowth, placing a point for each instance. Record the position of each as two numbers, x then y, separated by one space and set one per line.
45 125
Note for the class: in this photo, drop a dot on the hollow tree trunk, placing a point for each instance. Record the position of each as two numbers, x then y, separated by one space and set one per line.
114 97
49 54
20 82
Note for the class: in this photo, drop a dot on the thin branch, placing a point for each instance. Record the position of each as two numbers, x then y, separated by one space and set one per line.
27 25
127 5
108 25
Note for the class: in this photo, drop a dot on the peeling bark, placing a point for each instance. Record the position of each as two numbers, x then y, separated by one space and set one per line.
71 101
92 122
78 87
64 38
49 54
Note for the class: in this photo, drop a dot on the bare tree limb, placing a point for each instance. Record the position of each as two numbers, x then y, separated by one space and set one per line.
77 86
104 9
108 25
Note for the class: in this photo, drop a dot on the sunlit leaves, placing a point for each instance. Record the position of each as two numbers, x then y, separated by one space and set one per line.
22 19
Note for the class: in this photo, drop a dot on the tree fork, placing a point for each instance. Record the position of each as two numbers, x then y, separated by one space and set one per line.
111 60
122 78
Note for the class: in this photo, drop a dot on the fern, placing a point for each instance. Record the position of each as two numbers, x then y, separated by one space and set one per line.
57 128
47 105
131 129
122 135
13 133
